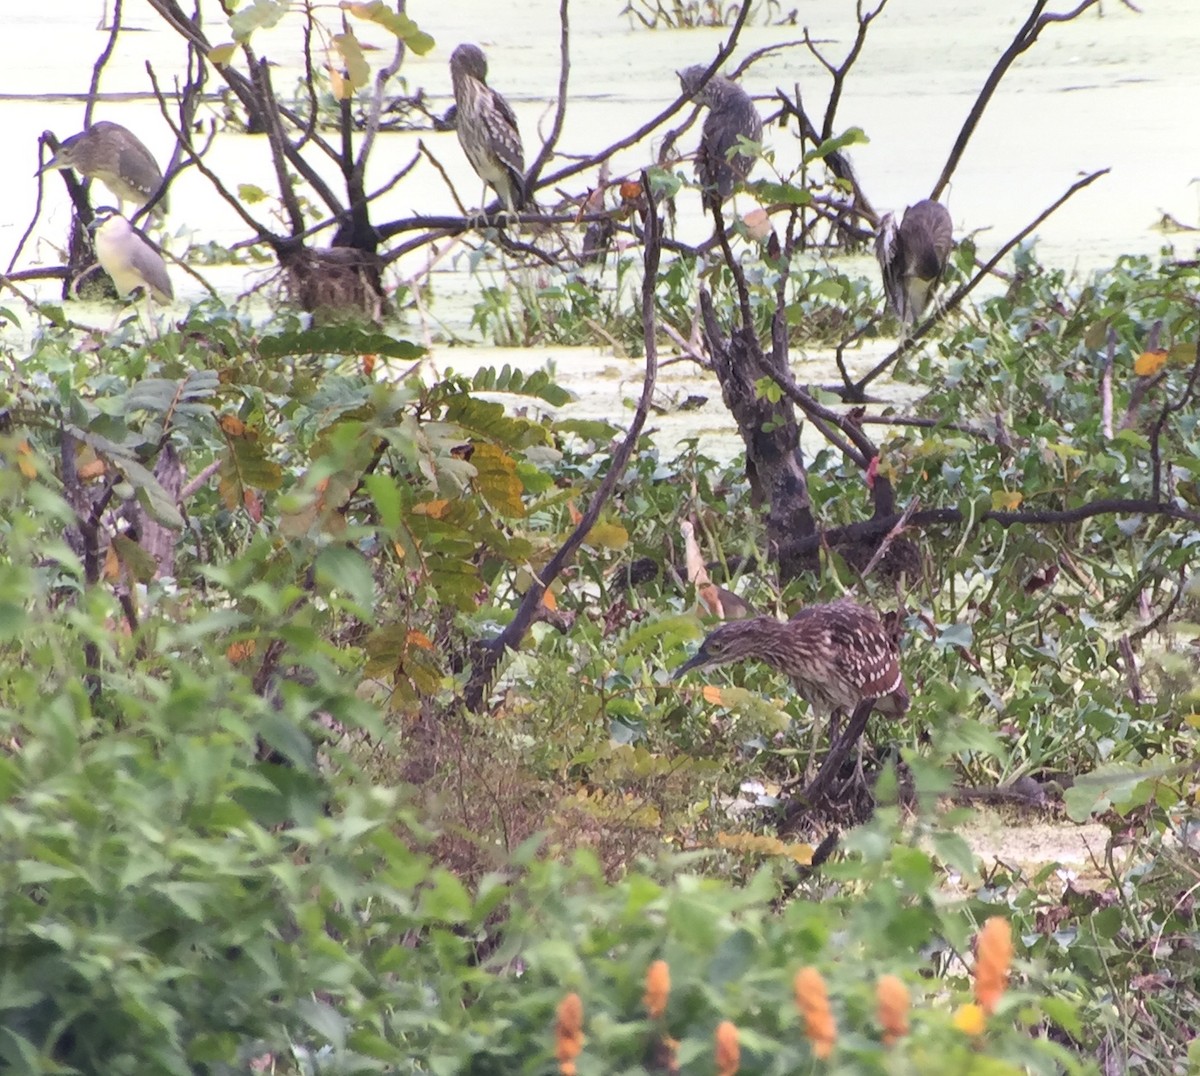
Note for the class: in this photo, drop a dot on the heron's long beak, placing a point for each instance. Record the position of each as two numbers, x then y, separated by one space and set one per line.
698 659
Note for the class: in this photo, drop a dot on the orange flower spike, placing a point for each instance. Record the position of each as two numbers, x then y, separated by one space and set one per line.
658 988
569 1033
993 956
892 996
728 1052
813 1003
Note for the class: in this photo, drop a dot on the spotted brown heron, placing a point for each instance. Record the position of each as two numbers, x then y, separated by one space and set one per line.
913 256
116 156
731 115
129 258
839 657
487 128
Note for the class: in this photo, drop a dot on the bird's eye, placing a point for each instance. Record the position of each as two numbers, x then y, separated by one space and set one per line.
714 646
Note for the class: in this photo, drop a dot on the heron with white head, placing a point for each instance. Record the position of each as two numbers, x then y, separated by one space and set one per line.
129 258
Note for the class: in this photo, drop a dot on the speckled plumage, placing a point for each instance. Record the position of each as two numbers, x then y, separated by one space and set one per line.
837 655
116 156
731 113
912 257
487 128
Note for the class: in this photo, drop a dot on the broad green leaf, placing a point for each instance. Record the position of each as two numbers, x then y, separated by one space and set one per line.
347 570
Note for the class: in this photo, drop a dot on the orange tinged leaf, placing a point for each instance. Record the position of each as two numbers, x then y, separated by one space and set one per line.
232 426
710 598
574 513
758 224
1004 500
418 639
368 364
631 190
25 461
993 955
1148 363
568 1037
338 86
90 470
969 1019
892 997
241 651
728 1053
434 509
658 988
253 504
549 601
711 693
813 1003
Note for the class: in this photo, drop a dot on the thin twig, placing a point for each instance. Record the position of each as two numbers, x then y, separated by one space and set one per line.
1022 40
560 106
911 341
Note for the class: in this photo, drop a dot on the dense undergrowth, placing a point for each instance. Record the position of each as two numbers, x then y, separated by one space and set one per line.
246 825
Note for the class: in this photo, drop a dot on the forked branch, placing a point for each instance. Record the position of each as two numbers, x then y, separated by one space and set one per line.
1024 39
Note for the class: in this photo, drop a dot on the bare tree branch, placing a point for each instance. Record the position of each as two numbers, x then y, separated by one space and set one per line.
911 341
488 655
560 107
1024 38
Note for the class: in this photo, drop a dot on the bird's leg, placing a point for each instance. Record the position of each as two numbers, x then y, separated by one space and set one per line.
838 750
814 741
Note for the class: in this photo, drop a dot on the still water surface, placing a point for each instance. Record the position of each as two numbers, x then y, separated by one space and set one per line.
1115 90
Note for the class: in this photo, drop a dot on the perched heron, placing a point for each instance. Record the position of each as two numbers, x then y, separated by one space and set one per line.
487 128
116 156
913 256
837 655
731 113
128 257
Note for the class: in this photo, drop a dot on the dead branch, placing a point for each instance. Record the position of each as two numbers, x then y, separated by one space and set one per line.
560 107
723 54
838 73
910 342
872 530
487 655
1024 39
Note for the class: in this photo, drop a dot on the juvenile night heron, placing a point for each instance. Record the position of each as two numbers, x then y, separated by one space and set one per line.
731 113
116 156
913 256
837 655
129 258
487 128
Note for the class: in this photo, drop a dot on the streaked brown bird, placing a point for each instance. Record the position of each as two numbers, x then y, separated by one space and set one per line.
116 156
487 128
731 113
837 655
913 256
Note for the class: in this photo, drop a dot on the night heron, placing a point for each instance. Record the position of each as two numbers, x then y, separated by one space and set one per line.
114 155
487 128
129 258
913 256
731 115
837 655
